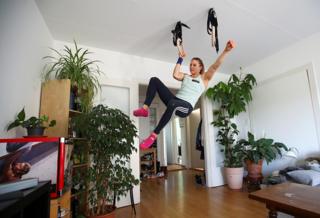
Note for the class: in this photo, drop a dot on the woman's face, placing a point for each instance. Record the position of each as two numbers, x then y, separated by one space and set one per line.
195 68
20 169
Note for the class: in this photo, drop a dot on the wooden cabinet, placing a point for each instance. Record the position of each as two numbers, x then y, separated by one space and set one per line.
55 102
148 161
62 204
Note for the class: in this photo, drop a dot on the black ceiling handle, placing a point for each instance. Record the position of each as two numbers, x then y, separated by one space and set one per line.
212 22
177 32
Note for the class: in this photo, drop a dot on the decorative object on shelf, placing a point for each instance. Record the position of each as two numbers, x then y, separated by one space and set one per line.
83 73
35 126
111 137
232 97
255 151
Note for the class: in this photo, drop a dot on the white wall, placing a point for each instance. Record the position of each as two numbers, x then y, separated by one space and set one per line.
299 54
24 40
305 54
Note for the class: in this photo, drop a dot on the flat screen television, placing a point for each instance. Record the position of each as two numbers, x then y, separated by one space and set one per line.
42 158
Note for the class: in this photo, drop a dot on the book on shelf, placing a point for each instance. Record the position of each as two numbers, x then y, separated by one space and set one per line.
18 185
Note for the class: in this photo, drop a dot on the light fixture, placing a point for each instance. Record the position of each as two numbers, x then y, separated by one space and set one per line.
292 152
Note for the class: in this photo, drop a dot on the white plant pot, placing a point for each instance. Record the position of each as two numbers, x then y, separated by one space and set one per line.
234 177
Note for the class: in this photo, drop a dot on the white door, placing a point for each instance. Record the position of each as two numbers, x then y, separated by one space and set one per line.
124 96
285 108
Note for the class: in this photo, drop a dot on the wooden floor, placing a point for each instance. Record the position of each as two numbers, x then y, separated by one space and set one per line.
180 197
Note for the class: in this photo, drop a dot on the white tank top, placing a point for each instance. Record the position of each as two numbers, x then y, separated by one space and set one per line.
191 89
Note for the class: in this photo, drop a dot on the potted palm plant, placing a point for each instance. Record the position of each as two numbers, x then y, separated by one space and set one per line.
83 73
255 151
111 137
35 126
232 98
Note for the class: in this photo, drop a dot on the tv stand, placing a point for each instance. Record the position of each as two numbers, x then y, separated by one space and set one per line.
35 203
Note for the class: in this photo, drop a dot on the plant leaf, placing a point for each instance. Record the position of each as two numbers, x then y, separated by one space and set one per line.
21 115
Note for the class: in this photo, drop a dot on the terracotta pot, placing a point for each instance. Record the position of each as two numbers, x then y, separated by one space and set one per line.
254 171
111 214
234 177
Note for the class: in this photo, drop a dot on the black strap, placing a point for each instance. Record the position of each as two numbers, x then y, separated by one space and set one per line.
213 22
177 32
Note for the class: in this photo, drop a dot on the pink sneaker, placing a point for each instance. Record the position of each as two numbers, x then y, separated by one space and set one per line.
145 144
141 112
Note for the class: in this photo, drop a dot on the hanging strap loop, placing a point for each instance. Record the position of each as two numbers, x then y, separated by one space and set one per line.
177 36
177 33
212 28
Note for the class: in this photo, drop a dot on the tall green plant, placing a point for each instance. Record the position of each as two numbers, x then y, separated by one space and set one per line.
232 97
111 136
76 66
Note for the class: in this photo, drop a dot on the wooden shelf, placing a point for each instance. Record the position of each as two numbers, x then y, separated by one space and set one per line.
80 165
55 103
146 161
74 112
78 193
152 162
146 171
63 202
146 151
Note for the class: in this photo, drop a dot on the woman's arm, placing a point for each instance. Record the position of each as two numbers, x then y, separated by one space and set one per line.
214 67
177 74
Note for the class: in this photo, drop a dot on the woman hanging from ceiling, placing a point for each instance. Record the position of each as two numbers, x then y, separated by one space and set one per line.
192 87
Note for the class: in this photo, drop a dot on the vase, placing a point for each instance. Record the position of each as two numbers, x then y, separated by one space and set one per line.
254 171
35 131
234 177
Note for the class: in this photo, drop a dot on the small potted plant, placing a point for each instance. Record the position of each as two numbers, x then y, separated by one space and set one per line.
255 151
74 64
111 136
35 126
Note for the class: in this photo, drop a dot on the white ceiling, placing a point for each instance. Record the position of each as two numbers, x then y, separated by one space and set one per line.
143 27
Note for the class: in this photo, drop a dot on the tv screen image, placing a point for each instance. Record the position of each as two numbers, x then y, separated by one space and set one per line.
41 158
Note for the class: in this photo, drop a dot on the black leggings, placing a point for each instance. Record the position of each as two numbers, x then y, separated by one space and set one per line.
174 105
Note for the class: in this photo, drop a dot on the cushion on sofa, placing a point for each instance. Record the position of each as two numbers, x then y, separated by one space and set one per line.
307 177
316 168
